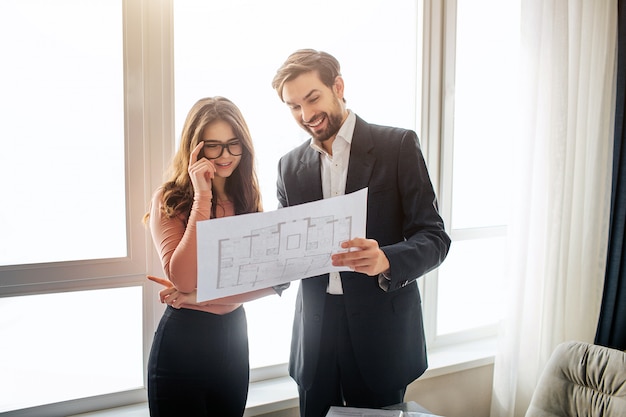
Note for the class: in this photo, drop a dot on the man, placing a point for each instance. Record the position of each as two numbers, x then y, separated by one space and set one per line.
358 337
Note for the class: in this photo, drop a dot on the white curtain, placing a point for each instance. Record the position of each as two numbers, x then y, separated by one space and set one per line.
559 226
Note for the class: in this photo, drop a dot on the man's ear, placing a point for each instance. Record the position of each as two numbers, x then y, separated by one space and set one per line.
338 86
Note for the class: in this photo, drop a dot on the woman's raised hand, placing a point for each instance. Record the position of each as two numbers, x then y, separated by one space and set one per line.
201 171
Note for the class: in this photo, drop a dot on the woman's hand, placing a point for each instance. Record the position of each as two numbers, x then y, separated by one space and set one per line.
201 171
176 298
170 295
165 282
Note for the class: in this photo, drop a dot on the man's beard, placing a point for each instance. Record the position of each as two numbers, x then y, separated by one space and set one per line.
334 124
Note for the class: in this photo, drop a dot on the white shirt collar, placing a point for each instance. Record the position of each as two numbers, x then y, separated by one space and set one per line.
346 131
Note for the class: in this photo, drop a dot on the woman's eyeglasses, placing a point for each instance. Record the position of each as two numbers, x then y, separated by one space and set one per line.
214 150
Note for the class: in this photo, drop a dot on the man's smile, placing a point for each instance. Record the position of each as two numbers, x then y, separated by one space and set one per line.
316 121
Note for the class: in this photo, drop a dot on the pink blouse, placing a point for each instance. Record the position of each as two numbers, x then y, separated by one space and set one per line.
175 241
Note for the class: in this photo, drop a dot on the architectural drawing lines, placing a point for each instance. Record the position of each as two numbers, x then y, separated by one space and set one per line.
281 250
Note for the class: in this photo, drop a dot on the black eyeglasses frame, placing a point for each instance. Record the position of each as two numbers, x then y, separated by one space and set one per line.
226 145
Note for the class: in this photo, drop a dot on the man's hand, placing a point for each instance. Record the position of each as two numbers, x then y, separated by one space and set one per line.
363 255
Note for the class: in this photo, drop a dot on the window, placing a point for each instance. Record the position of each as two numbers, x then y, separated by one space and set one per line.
80 347
379 48
478 108
375 42
64 124
73 249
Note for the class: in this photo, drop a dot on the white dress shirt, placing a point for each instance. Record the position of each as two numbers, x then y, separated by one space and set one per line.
334 175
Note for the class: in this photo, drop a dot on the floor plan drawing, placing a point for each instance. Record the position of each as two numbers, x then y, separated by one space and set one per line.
284 249
251 251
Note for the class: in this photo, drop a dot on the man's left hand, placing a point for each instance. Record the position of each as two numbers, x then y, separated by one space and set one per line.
362 255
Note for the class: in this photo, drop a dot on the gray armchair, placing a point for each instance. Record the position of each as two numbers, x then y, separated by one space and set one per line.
580 380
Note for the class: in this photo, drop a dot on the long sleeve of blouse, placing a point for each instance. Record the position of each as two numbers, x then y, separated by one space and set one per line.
175 240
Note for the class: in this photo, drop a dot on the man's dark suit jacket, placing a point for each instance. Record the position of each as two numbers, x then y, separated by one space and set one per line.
386 327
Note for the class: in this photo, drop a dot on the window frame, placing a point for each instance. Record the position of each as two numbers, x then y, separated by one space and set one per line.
148 130
437 134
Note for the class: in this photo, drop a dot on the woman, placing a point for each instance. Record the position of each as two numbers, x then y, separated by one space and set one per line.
198 363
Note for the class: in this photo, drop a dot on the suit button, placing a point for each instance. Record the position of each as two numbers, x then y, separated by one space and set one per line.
316 318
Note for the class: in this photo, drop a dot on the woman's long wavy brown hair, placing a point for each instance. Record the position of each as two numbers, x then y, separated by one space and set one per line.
242 186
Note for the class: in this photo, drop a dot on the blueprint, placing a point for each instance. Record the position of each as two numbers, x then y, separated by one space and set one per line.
259 250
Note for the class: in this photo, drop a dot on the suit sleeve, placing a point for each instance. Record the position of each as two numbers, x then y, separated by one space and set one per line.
280 186
282 202
426 242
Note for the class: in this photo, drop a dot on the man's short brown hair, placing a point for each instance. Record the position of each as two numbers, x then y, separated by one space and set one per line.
303 61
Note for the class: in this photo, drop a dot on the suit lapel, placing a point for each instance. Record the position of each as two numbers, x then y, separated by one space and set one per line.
360 167
309 175
361 160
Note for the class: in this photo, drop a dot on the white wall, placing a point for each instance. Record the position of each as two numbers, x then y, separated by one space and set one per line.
461 394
